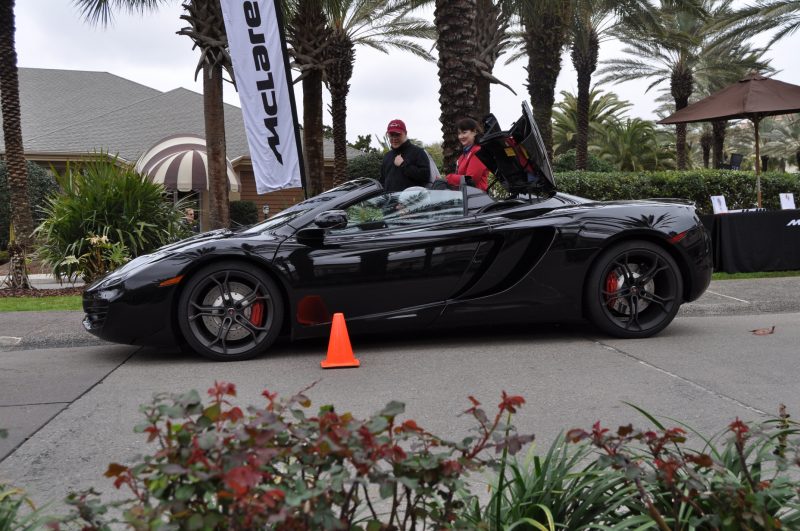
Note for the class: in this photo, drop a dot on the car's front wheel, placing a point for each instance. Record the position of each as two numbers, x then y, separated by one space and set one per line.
230 311
634 290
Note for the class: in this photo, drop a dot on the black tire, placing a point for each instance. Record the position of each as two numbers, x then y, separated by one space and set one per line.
230 311
634 290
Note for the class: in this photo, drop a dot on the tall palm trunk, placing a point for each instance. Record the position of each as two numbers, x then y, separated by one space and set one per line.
718 132
457 79
544 40
312 132
219 215
207 31
309 35
486 34
339 71
584 59
21 220
681 86
706 143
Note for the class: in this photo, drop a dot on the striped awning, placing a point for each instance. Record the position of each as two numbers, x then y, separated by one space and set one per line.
179 162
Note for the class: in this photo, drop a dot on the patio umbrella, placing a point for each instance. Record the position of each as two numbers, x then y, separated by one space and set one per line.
179 162
753 97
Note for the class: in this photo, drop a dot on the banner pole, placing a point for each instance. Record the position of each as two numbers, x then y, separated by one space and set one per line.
285 48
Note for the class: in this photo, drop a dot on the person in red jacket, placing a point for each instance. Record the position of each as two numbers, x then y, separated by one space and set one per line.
468 165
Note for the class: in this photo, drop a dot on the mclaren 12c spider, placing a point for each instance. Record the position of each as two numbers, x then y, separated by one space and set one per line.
420 258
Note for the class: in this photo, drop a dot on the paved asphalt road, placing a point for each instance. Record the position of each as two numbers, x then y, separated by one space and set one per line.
70 402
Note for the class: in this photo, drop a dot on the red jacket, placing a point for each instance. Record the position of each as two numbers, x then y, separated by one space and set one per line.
469 164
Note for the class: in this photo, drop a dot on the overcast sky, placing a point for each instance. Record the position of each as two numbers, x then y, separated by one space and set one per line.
145 49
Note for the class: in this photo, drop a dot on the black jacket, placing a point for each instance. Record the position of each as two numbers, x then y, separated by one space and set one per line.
415 170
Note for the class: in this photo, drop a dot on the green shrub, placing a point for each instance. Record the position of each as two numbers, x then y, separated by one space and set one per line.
101 257
243 213
367 165
217 466
564 487
275 467
100 197
566 162
744 478
41 185
738 187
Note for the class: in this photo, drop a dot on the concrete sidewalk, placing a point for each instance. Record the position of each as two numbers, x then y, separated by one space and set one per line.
30 330
42 281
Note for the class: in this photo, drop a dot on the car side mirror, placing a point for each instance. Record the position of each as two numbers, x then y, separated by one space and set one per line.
332 219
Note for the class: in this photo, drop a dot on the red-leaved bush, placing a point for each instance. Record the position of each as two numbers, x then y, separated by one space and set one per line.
219 467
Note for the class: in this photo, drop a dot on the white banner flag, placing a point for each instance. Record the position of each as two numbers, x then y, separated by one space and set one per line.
262 79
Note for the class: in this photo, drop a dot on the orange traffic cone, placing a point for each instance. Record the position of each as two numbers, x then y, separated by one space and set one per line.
340 353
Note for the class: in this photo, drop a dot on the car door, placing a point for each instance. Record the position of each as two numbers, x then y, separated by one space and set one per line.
387 267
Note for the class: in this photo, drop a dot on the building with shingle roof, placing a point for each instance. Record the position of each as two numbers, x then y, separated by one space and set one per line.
68 115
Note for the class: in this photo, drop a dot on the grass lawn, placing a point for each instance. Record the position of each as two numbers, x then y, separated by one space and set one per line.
40 304
765 274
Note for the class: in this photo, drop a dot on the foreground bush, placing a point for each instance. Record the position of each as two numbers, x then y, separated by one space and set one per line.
745 478
100 198
272 467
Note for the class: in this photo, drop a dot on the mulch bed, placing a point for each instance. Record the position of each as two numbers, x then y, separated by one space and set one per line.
8 292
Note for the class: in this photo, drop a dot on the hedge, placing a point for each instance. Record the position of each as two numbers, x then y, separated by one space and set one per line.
738 187
40 185
243 213
566 162
366 165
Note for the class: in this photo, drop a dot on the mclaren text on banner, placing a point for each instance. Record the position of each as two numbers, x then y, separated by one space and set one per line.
263 82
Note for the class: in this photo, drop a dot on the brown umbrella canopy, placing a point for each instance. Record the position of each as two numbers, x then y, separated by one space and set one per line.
753 97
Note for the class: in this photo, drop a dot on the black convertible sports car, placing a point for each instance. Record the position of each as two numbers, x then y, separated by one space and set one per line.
414 259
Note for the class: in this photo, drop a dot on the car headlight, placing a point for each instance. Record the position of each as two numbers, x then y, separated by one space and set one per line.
119 275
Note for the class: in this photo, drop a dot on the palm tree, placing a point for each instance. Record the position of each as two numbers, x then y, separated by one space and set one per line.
783 138
766 15
492 38
308 36
546 29
454 20
665 46
207 30
731 61
634 145
603 109
21 220
379 24
592 22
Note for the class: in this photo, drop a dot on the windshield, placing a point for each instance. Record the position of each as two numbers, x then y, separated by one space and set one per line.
286 216
412 206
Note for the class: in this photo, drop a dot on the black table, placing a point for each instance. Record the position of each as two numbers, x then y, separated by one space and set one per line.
755 241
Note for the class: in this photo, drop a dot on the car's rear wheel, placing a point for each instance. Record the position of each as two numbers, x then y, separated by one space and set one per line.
230 311
634 290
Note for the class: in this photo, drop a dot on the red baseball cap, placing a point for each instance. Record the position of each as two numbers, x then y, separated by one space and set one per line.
396 126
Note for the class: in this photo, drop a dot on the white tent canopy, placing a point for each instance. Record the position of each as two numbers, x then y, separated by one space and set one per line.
179 162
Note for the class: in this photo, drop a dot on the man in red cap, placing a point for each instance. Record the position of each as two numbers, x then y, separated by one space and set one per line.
405 164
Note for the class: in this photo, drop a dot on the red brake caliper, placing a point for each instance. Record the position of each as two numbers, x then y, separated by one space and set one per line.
612 285
257 313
